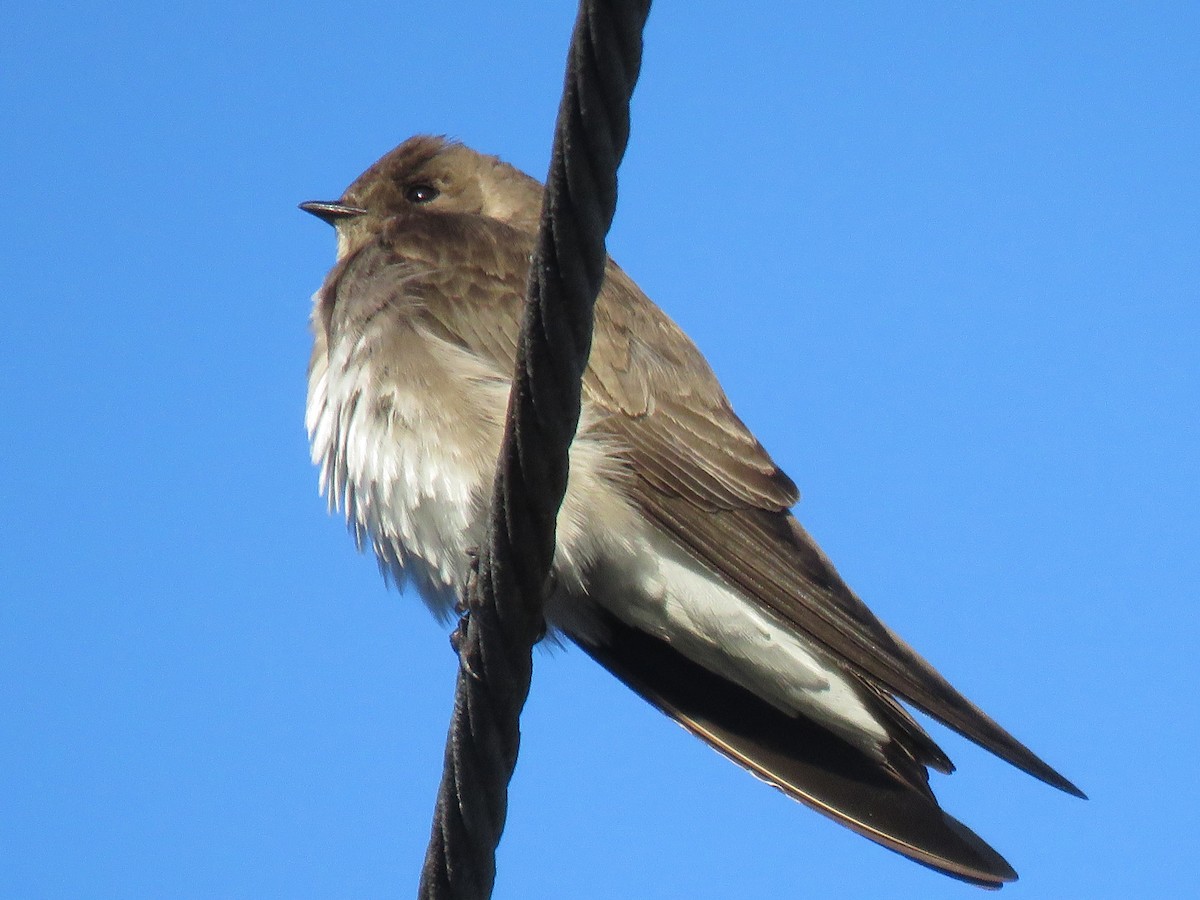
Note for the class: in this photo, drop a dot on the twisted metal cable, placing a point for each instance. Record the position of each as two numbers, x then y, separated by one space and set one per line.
506 596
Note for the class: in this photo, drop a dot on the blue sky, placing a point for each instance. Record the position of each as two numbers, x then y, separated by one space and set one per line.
945 260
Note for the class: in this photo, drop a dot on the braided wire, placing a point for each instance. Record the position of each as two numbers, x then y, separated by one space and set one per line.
506 596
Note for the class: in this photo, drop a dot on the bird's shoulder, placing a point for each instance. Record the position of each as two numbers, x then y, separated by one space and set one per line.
668 407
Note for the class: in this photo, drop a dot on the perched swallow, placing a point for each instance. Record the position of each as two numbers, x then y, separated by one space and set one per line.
679 566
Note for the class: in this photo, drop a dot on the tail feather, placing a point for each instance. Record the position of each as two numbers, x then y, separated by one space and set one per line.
886 800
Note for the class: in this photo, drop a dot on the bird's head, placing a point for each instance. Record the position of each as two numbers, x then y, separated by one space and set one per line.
430 175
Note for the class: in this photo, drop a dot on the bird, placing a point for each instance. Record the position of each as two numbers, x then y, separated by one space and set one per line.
679 565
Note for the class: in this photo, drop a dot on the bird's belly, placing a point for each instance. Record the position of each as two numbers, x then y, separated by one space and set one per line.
407 451
424 515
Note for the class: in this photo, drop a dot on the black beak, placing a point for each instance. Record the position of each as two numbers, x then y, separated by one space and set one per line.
331 212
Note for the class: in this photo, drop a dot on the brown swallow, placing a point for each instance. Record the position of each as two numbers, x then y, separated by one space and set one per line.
679 565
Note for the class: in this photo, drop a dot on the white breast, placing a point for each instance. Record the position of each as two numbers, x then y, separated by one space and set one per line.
405 451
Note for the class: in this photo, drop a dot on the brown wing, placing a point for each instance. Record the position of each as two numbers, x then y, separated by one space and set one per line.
700 472
666 405
706 480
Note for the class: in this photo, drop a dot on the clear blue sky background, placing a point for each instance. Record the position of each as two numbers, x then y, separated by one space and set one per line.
946 261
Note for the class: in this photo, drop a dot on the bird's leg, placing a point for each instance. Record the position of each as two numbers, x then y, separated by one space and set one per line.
462 606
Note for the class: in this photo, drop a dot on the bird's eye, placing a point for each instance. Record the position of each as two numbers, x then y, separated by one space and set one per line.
421 193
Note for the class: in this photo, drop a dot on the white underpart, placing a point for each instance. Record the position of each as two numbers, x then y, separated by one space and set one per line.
419 509
714 625
415 482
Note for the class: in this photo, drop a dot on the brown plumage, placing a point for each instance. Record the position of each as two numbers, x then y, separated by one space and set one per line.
680 567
